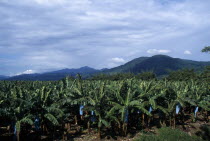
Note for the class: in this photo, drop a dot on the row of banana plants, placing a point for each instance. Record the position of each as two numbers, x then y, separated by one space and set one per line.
115 106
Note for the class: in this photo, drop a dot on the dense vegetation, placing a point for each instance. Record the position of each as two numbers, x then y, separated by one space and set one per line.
110 106
180 75
206 49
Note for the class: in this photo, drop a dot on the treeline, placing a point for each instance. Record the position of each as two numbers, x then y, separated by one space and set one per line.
179 75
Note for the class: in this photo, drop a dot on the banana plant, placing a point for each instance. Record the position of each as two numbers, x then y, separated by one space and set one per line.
149 92
45 108
126 100
200 92
98 104
20 109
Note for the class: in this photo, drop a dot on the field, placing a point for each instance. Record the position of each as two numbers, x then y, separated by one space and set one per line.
131 109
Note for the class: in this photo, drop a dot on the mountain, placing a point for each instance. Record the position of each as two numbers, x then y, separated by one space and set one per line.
2 77
82 70
127 67
55 75
159 64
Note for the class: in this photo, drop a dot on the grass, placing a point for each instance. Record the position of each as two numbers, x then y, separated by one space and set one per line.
168 134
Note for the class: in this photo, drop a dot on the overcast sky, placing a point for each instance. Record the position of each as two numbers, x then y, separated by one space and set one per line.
45 35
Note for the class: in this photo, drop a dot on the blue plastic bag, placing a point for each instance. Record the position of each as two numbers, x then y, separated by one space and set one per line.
15 130
93 118
178 108
150 109
196 110
36 123
81 110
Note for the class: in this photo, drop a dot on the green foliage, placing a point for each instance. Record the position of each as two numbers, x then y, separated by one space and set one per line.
205 75
114 76
57 102
182 75
168 134
206 49
146 76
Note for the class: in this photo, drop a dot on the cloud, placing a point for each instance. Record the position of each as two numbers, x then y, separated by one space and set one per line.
187 52
27 72
50 1
156 51
52 34
118 60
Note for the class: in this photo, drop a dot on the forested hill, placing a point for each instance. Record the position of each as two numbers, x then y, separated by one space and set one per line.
159 64
2 77
56 75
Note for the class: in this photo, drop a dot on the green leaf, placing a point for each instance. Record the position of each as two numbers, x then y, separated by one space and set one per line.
51 118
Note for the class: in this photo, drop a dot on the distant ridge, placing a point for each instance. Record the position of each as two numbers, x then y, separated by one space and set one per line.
2 77
159 64
55 75
81 70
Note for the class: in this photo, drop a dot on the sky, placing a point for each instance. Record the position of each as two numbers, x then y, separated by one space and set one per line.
43 35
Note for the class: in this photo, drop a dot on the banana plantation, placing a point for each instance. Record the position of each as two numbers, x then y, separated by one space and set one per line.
62 109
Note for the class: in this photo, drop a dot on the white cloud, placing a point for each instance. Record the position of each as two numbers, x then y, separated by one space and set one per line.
73 33
118 60
187 52
26 72
112 65
50 1
51 58
158 51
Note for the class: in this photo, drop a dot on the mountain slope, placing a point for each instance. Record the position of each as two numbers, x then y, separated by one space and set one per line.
159 64
2 77
82 70
55 75
127 67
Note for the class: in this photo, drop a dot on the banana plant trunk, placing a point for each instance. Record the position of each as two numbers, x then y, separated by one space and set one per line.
44 129
164 120
82 117
64 136
125 126
17 130
88 125
99 133
170 121
18 135
119 129
174 122
143 120
149 119
75 117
